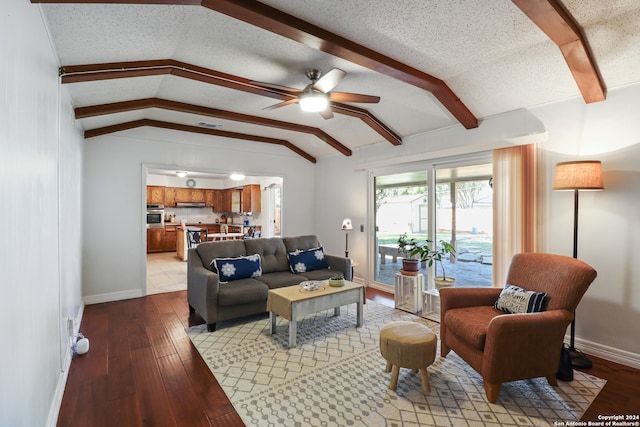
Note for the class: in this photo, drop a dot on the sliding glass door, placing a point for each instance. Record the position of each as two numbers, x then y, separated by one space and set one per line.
464 218
401 206
448 201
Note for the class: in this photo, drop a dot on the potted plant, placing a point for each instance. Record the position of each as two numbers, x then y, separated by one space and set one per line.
336 280
425 253
406 246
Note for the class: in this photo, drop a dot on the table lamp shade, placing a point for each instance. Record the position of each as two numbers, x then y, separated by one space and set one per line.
578 175
346 224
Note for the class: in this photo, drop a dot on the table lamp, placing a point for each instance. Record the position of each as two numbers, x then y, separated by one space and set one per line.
346 227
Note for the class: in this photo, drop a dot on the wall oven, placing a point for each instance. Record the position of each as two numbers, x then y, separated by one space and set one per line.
155 216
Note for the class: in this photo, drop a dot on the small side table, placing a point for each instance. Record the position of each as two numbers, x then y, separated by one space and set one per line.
408 292
431 305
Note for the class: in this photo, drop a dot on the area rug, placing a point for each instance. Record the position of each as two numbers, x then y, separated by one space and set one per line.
335 377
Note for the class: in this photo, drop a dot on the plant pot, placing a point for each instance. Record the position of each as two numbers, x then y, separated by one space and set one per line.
336 283
444 282
410 265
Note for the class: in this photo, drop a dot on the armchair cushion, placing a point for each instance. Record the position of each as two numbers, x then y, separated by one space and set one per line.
513 299
470 324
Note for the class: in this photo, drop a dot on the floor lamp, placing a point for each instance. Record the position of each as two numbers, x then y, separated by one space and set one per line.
578 175
346 227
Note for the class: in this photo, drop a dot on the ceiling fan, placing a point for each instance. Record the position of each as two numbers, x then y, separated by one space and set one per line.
317 95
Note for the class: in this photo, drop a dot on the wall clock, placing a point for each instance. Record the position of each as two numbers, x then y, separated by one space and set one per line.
191 183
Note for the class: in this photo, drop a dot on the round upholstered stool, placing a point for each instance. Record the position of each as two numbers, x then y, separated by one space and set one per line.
408 345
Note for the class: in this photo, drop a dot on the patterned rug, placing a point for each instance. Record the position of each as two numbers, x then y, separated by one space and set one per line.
335 377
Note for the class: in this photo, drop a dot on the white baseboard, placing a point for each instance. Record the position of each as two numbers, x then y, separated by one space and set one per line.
611 354
112 296
56 404
54 410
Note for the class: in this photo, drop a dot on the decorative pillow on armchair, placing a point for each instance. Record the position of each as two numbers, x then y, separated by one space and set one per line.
237 268
513 299
311 259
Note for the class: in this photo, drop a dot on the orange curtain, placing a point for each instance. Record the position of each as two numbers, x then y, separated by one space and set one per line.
514 206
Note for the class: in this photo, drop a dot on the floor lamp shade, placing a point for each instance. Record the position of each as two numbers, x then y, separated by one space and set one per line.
578 175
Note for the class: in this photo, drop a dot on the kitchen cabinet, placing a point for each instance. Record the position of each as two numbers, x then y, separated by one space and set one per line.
251 198
214 199
189 195
169 196
169 241
155 195
231 200
155 240
197 195
234 197
208 198
183 195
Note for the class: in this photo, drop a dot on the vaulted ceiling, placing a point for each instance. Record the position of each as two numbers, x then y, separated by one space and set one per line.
198 65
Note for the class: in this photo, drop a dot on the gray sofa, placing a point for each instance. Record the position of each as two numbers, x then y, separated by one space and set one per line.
215 301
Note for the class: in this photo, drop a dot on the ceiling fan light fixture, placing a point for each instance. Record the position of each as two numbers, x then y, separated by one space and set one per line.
313 102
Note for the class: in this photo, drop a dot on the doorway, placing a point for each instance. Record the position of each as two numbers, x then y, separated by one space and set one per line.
166 269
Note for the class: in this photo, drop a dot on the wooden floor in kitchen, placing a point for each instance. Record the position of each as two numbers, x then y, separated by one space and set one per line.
142 370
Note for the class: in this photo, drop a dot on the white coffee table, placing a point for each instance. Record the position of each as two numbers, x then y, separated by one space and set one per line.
292 302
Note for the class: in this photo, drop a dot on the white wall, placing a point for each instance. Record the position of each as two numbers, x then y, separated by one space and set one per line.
608 316
609 224
114 196
40 252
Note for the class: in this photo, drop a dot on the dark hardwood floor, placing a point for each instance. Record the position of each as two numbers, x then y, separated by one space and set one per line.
142 370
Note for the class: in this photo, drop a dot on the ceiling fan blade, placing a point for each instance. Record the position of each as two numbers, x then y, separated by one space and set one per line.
282 104
353 97
329 80
275 86
327 113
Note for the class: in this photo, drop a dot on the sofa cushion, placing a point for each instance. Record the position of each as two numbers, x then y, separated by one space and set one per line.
470 324
225 249
302 261
272 252
300 243
320 274
238 267
279 279
243 291
514 299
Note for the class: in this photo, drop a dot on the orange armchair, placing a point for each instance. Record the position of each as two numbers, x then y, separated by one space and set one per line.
508 347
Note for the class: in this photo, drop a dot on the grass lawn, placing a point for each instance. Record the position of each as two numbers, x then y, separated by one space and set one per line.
467 242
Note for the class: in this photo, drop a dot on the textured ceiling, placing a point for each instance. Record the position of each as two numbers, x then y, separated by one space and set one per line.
491 55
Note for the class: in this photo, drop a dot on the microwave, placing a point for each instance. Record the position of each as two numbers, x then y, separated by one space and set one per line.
155 216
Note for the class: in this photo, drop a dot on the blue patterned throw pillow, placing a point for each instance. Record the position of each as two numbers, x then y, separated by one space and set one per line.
311 259
513 299
238 268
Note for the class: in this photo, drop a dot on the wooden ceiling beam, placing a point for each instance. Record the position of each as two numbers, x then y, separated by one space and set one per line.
276 21
140 104
556 22
194 129
121 70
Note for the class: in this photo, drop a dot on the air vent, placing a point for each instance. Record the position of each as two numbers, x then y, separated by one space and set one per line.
210 125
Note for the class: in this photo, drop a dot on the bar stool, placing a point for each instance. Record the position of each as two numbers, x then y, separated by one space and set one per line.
195 236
